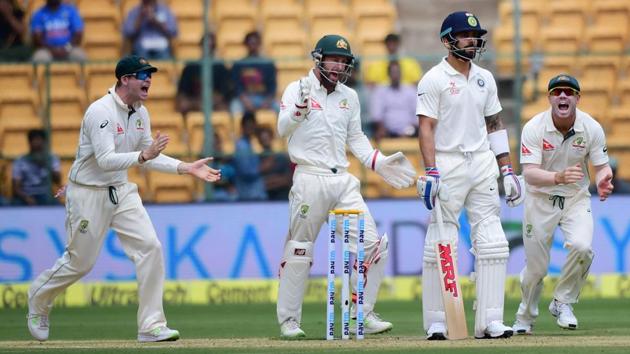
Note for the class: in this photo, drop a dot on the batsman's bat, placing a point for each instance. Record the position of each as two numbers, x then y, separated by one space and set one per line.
449 282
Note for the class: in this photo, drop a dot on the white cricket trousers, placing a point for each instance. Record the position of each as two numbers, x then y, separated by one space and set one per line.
90 212
543 214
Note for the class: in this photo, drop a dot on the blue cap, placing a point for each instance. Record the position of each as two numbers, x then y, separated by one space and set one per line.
563 80
461 21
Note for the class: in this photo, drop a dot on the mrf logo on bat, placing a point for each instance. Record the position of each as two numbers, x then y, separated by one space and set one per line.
446 259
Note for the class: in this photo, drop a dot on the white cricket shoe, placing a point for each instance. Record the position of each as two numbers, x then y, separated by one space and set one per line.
522 327
159 334
437 331
372 324
290 329
496 329
38 326
564 313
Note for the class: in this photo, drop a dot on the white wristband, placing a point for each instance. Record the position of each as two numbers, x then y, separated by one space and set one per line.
499 143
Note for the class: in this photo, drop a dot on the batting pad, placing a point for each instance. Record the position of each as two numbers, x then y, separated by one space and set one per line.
490 266
374 273
294 270
432 303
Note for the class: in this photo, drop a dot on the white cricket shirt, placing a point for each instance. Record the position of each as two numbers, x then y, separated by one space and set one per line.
334 121
542 144
460 105
111 138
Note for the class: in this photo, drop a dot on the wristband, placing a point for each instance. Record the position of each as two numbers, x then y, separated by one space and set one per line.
507 170
432 171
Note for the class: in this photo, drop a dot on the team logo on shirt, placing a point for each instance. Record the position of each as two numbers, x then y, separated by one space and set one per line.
139 124
579 143
481 83
119 129
83 225
528 230
525 151
343 104
304 210
547 146
453 88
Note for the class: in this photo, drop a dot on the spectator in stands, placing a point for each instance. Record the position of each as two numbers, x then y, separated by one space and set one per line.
150 29
12 30
224 189
254 78
189 88
621 186
410 70
393 107
35 172
249 182
57 30
275 167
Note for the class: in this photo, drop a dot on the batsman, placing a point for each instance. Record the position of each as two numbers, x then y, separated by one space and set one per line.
464 146
319 116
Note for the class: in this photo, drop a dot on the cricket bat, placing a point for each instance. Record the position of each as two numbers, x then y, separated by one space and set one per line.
449 282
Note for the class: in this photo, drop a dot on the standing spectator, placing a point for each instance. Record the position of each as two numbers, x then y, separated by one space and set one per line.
394 107
12 30
57 30
189 88
224 189
249 182
275 167
377 72
150 29
255 79
35 172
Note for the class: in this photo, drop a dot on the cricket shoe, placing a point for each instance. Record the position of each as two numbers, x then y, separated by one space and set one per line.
38 326
159 334
372 324
496 329
437 331
522 327
564 313
290 329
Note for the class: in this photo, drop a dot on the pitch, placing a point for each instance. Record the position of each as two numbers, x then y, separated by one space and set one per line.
604 327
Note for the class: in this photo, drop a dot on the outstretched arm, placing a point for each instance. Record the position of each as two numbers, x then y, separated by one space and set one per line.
200 169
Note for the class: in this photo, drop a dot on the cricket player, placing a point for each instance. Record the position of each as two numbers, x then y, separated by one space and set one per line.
115 136
555 148
462 139
319 116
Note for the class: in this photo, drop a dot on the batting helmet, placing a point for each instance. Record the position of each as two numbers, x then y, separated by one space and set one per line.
333 44
462 21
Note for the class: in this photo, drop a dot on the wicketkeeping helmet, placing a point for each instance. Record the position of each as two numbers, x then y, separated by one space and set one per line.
333 44
463 21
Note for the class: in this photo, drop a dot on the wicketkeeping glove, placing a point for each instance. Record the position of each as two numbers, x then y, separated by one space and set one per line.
513 185
395 169
429 187
303 103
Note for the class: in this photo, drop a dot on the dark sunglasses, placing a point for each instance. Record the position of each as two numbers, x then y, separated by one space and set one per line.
567 91
141 75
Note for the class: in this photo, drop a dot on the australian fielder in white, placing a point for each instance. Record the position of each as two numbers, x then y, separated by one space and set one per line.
320 116
555 148
462 139
115 136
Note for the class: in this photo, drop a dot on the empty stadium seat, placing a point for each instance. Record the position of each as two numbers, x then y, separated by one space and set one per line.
598 71
289 71
169 188
222 124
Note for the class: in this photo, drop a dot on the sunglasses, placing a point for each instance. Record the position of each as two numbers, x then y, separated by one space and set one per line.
141 75
567 91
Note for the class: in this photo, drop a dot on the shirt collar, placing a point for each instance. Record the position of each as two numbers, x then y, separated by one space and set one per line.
450 70
578 125
120 103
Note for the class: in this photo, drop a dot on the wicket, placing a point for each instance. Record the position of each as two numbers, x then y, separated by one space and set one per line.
345 285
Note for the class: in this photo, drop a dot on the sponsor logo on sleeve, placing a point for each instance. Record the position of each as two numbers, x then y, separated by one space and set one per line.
104 123
525 151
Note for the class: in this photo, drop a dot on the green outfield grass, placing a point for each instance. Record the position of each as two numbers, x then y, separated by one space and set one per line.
604 327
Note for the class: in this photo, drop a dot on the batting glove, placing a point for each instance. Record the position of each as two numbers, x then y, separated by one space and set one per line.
513 185
429 187
303 103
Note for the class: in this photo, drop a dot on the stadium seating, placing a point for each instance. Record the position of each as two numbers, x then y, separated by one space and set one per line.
170 188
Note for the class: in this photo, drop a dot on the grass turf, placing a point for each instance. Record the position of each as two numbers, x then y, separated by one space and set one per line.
253 328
